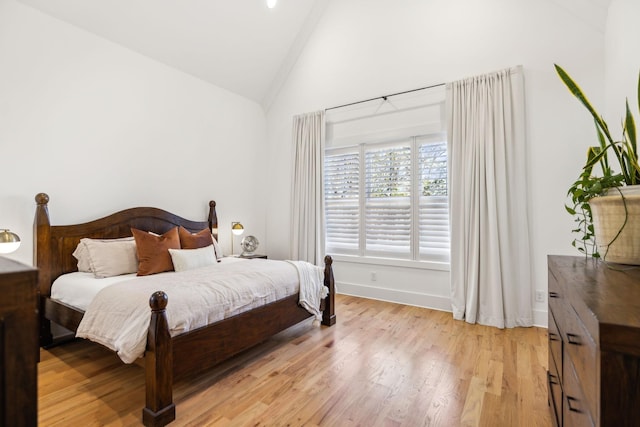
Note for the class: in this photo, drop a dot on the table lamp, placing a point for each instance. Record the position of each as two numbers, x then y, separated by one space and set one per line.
9 242
236 230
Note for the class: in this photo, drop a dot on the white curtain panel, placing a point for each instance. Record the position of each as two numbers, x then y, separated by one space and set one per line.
490 254
307 198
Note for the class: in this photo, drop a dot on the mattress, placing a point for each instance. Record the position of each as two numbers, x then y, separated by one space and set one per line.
117 312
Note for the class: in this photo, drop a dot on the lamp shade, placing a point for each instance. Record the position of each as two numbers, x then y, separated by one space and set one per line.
9 241
237 228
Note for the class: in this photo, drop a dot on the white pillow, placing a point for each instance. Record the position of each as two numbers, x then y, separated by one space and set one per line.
108 257
82 255
188 259
82 252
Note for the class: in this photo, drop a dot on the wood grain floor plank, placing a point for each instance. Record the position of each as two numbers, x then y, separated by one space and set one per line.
382 364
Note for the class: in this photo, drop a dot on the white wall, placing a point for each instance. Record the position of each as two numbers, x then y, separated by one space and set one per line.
73 105
366 48
622 62
101 128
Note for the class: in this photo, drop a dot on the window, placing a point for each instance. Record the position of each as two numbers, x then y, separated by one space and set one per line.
342 200
388 199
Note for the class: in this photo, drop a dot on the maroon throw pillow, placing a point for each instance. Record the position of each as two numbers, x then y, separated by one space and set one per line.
189 240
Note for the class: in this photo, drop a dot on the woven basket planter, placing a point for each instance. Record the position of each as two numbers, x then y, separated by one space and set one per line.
608 214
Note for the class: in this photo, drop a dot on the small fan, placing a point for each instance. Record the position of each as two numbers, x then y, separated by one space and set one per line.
249 244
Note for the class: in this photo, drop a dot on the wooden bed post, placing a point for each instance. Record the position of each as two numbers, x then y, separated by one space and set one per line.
160 409
42 260
329 313
213 219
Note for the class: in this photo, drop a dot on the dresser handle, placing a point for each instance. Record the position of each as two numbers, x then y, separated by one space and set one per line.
573 339
553 379
553 336
554 295
571 407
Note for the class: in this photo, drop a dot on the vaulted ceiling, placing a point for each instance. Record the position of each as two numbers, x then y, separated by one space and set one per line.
239 45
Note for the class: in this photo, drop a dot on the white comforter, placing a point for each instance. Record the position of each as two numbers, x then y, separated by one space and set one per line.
119 315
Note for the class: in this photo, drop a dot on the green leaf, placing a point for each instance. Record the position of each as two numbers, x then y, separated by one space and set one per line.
570 210
594 155
630 128
577 92
603 147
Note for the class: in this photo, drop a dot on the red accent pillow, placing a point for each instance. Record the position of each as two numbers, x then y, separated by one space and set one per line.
153 251
201 239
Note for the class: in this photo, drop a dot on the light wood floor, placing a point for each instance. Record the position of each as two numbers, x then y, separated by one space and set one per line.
382 364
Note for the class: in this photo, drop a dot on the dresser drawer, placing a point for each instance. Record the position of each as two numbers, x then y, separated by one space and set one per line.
555 344
556 297
575 407
555 393
579 358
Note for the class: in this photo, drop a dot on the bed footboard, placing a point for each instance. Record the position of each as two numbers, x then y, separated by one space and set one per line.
165 357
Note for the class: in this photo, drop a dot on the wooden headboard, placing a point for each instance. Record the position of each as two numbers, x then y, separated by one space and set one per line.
53 245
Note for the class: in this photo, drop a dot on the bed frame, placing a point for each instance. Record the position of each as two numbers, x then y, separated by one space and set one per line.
166 359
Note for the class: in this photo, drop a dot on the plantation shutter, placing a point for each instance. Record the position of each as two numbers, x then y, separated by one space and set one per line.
434 204
342 206
388 200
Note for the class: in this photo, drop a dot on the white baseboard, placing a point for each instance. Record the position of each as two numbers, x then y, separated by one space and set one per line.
435 302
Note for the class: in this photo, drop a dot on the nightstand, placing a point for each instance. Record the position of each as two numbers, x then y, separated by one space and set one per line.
19 350
252 256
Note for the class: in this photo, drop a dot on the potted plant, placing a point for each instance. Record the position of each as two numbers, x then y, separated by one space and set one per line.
606 210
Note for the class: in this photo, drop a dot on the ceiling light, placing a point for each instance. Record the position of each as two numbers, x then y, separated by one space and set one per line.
271 3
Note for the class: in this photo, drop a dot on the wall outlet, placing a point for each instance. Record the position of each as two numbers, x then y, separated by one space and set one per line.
374 276
540 296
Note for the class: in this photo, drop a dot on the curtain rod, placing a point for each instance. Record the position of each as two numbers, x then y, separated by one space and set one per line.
384 96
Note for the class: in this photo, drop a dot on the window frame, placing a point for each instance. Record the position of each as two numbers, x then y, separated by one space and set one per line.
363 253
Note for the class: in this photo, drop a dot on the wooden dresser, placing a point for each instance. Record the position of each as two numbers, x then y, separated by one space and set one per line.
594 343
19 339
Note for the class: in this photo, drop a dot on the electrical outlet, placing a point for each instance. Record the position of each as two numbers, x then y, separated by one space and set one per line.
374 276
539 296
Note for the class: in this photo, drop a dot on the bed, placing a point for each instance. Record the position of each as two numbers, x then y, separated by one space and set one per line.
166 358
